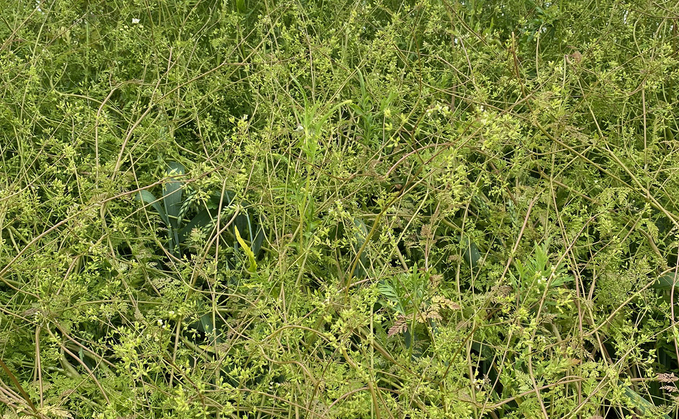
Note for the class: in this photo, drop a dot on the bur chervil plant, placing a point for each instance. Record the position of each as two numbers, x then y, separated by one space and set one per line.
360 209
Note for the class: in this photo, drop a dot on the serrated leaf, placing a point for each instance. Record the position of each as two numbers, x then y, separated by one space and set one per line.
389 292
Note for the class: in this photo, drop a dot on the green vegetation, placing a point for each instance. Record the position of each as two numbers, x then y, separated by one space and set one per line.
352 209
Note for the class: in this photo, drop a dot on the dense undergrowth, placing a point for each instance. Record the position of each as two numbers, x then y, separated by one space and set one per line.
350 209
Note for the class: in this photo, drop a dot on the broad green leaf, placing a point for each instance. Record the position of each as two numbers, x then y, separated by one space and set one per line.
172 193
258 240
646 408
360 235
207 216
666 282
225 199
147 197
254 233
209 327
201 220
471 252
243 222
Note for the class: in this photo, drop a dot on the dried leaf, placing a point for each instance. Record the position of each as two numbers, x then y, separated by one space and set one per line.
444 302
399 327
434 315
667 378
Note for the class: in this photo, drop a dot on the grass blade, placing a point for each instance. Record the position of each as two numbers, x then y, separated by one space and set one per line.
251 256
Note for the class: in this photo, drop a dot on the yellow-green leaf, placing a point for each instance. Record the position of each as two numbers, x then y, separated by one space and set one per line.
251 256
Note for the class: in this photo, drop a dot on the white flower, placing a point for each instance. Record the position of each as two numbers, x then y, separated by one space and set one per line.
135 20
